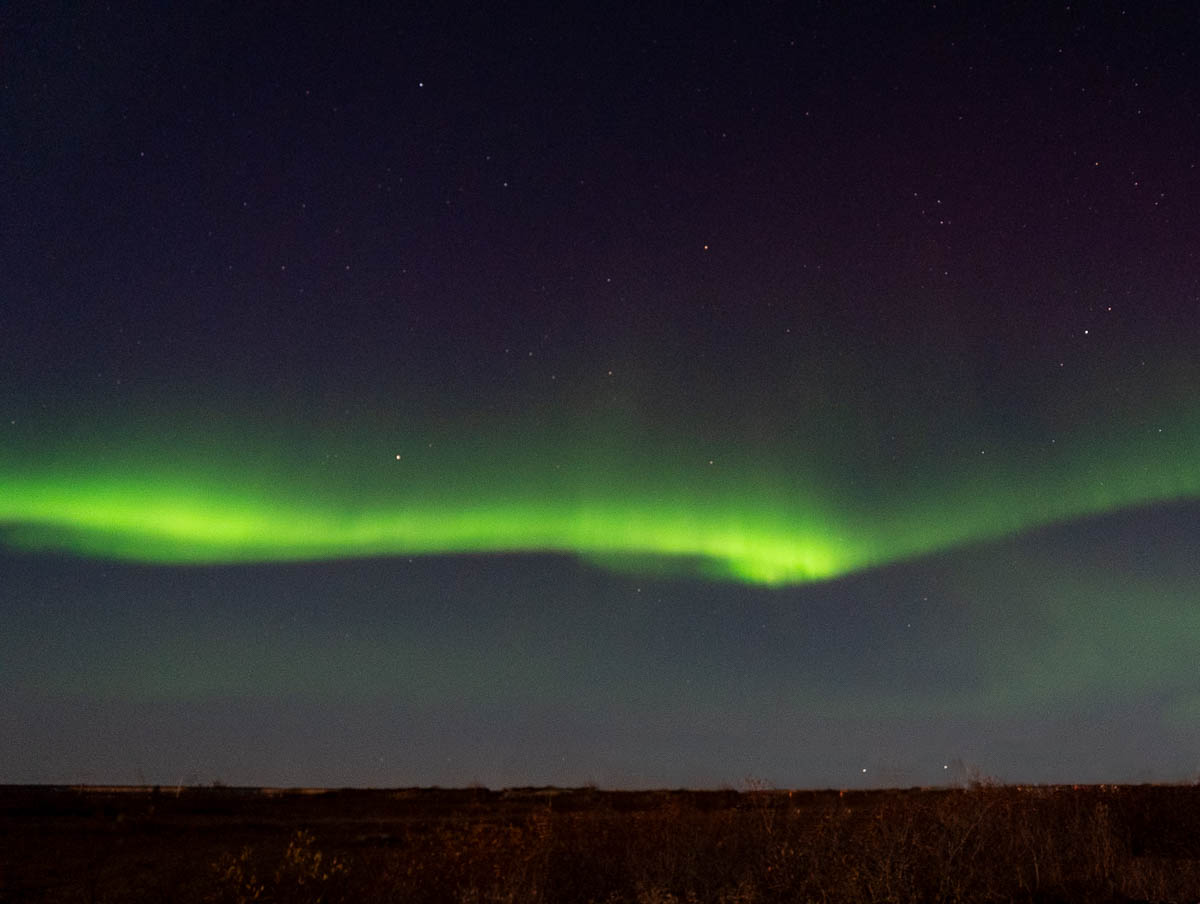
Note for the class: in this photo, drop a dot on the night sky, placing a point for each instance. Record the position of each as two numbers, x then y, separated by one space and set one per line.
806 394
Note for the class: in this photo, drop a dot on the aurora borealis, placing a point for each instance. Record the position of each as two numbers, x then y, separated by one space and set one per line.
712 527
600 395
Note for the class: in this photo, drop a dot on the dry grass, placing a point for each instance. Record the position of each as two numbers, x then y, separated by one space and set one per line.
982 844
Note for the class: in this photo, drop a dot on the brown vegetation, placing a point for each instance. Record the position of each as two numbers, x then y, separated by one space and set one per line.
984 843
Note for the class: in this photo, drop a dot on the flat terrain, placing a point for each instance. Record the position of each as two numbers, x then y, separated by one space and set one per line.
983 843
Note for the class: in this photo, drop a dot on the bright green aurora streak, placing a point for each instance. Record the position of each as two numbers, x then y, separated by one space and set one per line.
757 531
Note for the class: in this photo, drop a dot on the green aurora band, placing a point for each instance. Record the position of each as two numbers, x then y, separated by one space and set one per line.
626 515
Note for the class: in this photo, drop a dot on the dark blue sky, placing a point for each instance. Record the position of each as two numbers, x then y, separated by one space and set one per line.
606 302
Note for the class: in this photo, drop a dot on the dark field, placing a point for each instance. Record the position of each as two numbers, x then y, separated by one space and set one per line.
984 843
